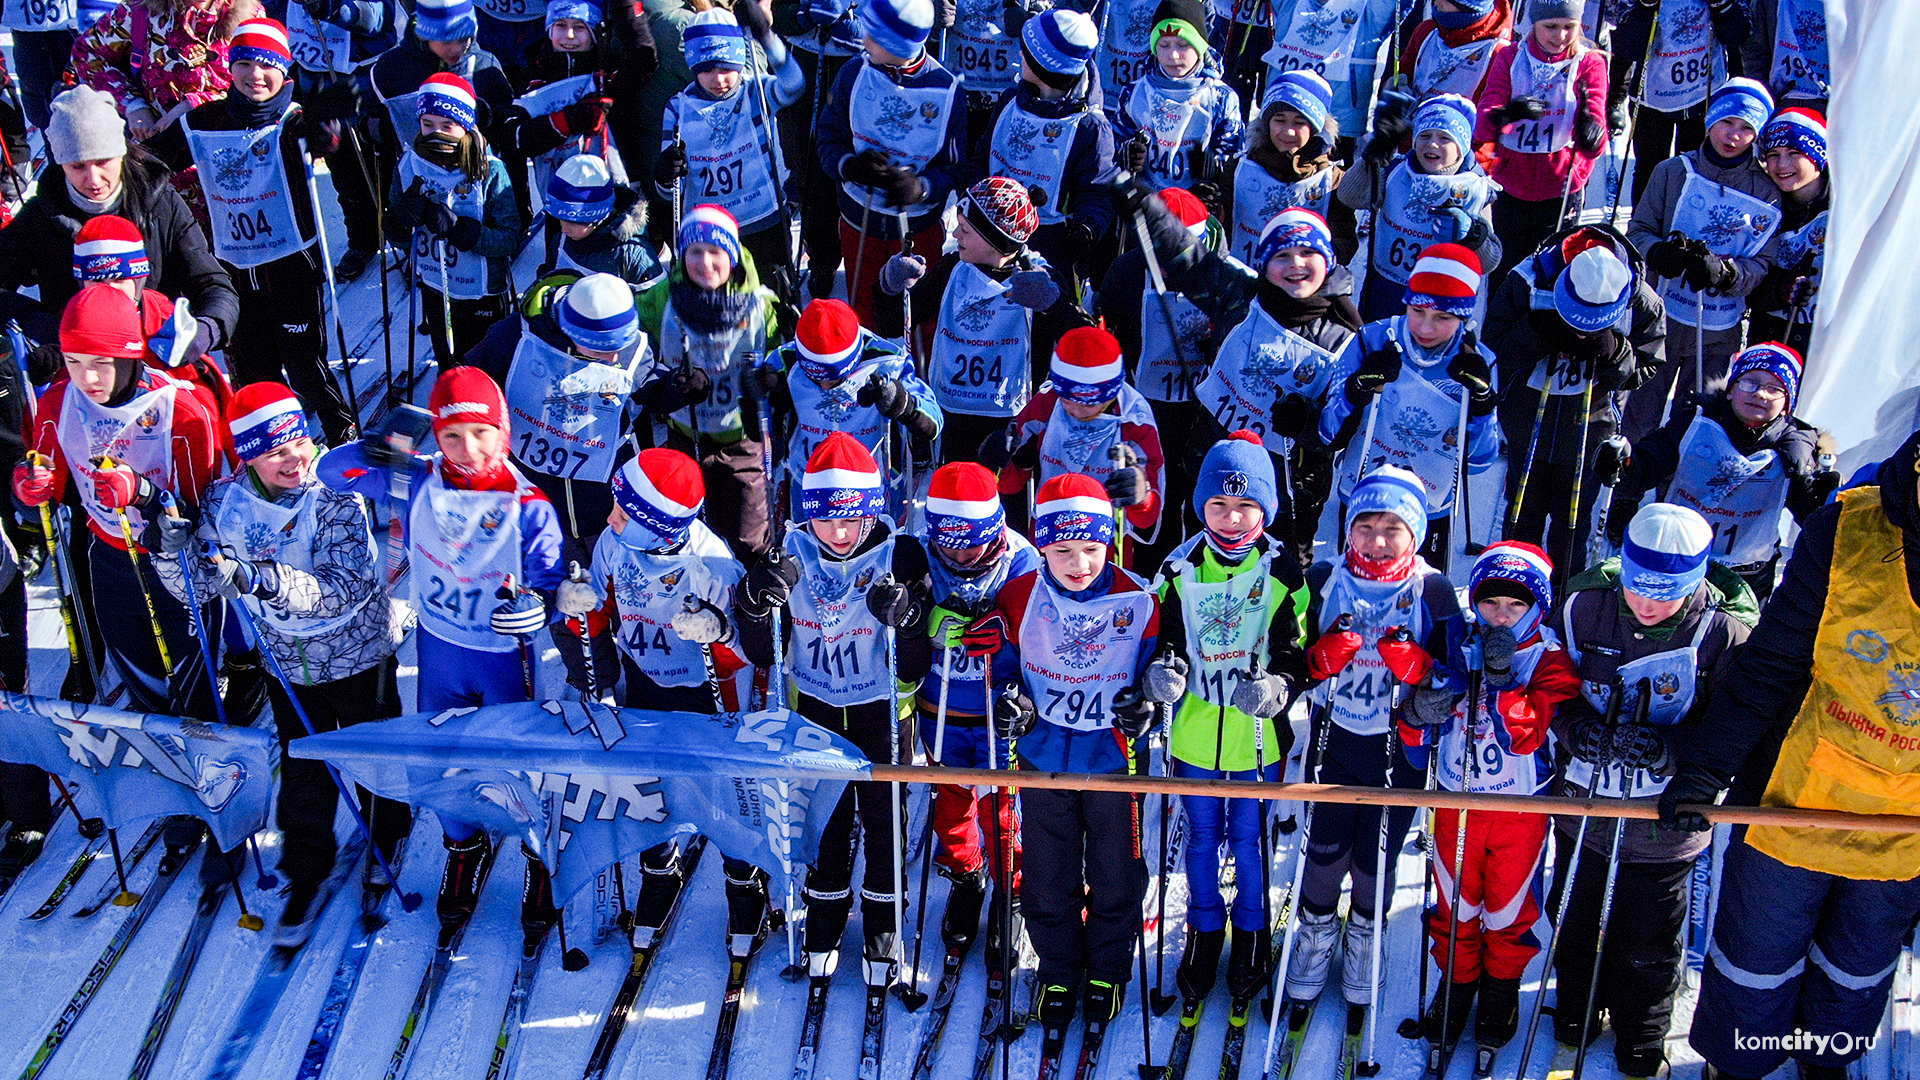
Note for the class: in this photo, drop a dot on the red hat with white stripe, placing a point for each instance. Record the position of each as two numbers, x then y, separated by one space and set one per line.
264 416
663 491
1187 207
262 41
1515 570
1447 278
842 481
466 395
1087 367
110 248
1070 507
963 506
448 95
101 320
827 339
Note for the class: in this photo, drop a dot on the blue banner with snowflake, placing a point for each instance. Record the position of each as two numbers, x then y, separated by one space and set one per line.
585 786
126 767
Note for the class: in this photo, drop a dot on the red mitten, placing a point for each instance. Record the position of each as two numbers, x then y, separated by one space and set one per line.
117 488
583 117
1330 655
1408 661
32 483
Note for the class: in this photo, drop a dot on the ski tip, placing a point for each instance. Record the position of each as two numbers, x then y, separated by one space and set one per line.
909 997
127 898
410 901
1161 1002
574 960
1409 1028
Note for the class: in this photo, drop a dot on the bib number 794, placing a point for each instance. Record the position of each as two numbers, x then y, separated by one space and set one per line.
1076 708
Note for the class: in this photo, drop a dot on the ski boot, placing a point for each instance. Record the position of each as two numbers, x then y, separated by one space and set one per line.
662 875
297 918
826 918
1057 1006
460 881
961 923
1446 1018
351 265
1312 959
748 910
1566 1026
181 837
22 848
1499 1016
246 682
1200 962
881 960
1356 959
1645 1062
1250 962
537 910
1100 1003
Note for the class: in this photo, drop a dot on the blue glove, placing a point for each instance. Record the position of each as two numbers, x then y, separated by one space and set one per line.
1034 290
1454 223
522 614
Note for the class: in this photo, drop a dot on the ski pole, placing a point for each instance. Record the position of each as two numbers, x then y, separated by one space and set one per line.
408 901
359 152
79 654
896 805
1159 281
1161 1000
1441 1050
1410 1028
146 593
908 989
1579 479
578 574
265 880
1147 1069
508 591
906 306
446 302
199 623
127 897
333 296
1370 1066
1644 690
413 309
1533 448
860 253
1639 79
1463 501
673 241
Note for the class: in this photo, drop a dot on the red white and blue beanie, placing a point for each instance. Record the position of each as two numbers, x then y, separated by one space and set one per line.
1293 228
842 481
1305 92
444 20
1740 99
1519 571
1665 554
827 338
1449 114
963 507
901 27
1799 129
1780 361
714 39
580 190
1072 507
710 224
1391 489
662 490
597 312
110 248
1087 367
1594 290
1002 212
466 395
1446 278
263 41
449 95
264 416
1060 41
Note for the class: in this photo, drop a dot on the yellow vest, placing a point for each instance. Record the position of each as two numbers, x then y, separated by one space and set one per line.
1855 745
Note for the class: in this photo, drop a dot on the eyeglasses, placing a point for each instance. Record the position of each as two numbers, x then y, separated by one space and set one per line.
1768 389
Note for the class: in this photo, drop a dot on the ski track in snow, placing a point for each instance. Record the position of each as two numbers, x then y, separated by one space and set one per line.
672 1035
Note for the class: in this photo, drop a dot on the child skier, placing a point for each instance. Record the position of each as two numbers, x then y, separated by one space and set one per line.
857 595
1178 125
603 225
1451 51
1660 625
1436 194
1288 163
1086 420
273 533
1670 56
1487 915
263 225
1794 149
1083 631
439 39
1738 461
452 205
1344 42
1230 663
1425 372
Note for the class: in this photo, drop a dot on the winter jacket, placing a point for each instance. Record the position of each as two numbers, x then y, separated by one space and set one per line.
1770 303
161 53
1208 160
403 68
653 304
619 80
875 357
1364 187
1654 211
1137 429
943 175
930 292
619 245
1656 457
1540 177
1089 162
37 248
1495 24
501 230
1517 720
776 91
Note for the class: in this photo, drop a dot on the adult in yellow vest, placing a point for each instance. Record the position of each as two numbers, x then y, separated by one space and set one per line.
1811 921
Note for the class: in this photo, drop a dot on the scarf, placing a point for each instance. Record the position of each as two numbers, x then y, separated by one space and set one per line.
252 114
1229 549
710 311
980 567
1380 569
491 476
95 209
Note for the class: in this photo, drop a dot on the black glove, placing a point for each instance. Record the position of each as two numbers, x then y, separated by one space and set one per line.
890 396
749 15
1821 486
1617 112
335 101
1027 457
464 234
1641 746
45 362
1013 713
437 218
1469 369
671 165
1802 291
996 450
868 168
643 58
1693 787
1393 118
1668 258
1214 199
1528 107
673 392
1705 270
903 186
1376 370
1589 134
1590 739
768 583
410 209
1132 155
1610 461
1132 713
898 605
1292 415
1128 486
322 11
1497 646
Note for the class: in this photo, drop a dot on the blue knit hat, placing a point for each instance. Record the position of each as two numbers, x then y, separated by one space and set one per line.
1297 227
842 481
712 39
1740 99
445 20
580 190
1238 466
1391 489
710 224
597 313
1305 92
1780 361
1070 507
901 27
585 11
1665 555
1471 11
1450 114
1594 290
1060 41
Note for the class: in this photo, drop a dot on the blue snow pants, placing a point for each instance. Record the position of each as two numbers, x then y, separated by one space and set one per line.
1209 820
453 676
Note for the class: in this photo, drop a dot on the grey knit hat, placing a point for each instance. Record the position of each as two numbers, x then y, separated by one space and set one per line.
1539 10
85 126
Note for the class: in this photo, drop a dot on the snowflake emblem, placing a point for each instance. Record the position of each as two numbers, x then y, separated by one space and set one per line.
233 167
836 406
1267 364
828 590
896 117
259 538
629 582
1021 134
563 409
1430 194
1810 27
1080 644
1319 27
1192 324
976 315
1689 22
1278 199
723 119
1903 695
1417 425
1724 226
1139 22
1220 617
1449 63
1164 114
1082 442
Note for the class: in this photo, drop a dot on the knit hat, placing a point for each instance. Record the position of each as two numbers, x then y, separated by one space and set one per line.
842 481
1740 99
1449 114
1070 507
1303 91
963 507
1539 10
1665 556
1519 571
1594 290
1087 368
1297 227
710 224
1471 11
1188 208
1002 212
110 248
1391 489
466 395
662 490
101 320
827 339
449 95
581 190
1780 361
264 416
713 39
263 41
444 20
85 125
1183 30
1801 129
1060 41
1446 278
585 11
1237 466
597 313
900 27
